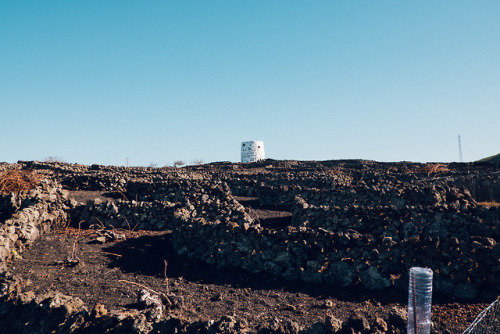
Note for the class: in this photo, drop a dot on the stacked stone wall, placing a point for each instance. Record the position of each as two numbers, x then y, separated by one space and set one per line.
377 260
156 204
367 229
31 213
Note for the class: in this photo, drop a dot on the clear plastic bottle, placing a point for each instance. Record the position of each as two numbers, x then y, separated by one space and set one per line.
420 301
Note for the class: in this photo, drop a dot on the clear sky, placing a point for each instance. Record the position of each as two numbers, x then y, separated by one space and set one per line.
158 81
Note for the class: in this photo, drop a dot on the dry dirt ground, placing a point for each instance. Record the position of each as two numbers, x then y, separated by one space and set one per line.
107 268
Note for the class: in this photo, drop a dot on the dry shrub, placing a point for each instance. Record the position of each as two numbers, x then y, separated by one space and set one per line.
433 168
14 181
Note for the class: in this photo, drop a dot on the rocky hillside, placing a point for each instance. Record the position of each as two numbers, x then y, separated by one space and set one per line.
493 159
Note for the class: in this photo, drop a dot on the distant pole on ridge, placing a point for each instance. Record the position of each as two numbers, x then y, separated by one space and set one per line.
460 149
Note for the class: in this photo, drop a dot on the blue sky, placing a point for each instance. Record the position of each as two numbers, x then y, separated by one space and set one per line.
159 81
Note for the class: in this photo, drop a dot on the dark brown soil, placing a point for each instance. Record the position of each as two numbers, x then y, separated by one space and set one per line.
77 263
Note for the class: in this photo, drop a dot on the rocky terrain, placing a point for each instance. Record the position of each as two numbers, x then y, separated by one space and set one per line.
268 247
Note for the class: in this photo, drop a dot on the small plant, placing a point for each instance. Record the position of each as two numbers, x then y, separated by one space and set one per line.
179 163
198 162
54 159
73 258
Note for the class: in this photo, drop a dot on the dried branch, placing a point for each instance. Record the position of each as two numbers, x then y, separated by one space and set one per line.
106 253
165 274
123 195
130 229
73 258
100 223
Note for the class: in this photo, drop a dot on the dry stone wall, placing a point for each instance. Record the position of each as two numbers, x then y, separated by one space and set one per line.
370 234
156 205
30 214
463 266
353 223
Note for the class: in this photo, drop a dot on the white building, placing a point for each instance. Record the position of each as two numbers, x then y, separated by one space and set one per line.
252 151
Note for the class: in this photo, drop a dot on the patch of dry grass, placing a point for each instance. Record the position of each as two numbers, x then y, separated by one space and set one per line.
14 181
433 168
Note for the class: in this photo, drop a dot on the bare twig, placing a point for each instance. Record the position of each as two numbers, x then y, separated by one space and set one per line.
73 257
121 193
165 273
130 229
100 223
128 224
141 285
106 253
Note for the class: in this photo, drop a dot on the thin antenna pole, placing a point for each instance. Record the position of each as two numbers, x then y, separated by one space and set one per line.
460 148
